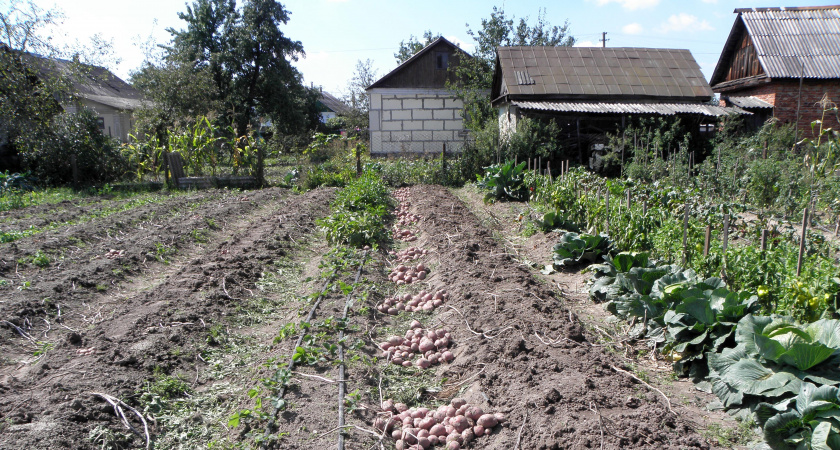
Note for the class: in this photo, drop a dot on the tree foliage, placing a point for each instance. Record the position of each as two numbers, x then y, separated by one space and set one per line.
475 75
244 62
413 45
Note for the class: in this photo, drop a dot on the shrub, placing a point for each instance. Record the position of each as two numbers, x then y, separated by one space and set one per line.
47 152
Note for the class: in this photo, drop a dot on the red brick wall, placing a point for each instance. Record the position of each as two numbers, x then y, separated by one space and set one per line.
783 95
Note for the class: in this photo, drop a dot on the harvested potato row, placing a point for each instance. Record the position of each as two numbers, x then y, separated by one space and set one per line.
401 194
404 217
409 254
454 425
433 345
403 274
422 301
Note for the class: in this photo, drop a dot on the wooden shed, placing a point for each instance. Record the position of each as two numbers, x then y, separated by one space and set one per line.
592 91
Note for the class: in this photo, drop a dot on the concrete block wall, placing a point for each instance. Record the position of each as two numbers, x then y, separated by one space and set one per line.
415 122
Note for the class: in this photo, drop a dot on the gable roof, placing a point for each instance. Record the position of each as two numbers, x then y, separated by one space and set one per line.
437 43
785 39
333 104
95 83
601 74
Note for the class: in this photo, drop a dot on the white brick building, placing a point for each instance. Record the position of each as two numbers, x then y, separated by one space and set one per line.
410 108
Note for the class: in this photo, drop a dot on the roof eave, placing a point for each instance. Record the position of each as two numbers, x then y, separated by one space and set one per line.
413 58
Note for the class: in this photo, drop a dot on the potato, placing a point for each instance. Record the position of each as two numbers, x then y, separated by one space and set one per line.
400 306
424 442
406 364
460 423
499 417
423 432
474 412
401 407
487 421
423 363
450 411
467 436
396 435
400 445
397 361
462 410
448 356
437 430
478 430
387 405
452 445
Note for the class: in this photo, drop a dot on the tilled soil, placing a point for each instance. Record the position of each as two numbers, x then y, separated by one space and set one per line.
116 322
113 322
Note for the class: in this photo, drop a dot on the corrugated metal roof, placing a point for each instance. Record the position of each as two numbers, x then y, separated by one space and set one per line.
794 41
333 104
96 83
668 109
748 102
607 72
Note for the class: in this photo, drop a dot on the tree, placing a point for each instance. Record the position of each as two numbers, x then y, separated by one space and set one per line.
248 58
357 97
475 75
412 46
34 133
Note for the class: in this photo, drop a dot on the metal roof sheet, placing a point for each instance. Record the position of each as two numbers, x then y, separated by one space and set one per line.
333 104
748 102
668 109
791 42
596 71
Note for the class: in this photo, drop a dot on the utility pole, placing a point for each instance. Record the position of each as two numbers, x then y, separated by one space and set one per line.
604 39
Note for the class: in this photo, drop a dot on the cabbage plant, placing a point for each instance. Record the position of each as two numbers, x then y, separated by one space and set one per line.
810 421
773 357
574 248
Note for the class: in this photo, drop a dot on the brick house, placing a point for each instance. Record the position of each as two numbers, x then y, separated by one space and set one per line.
779 60
410 108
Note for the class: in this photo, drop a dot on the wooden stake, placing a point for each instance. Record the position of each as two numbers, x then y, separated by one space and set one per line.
802 242
608 210
764 234
837 227
708 241
75 169
629 194
725 233
644 208
548 169
685 234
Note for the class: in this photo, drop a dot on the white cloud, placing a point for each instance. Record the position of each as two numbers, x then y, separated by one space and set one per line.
632 28
685 22
465 46
587 44
630 4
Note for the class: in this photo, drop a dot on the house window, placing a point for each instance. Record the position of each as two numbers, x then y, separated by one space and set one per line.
442 60
101 122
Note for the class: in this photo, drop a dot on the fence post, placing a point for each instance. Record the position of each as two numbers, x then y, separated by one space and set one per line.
685 234
708 241
802 242
548 170
75 168
629 194
837 227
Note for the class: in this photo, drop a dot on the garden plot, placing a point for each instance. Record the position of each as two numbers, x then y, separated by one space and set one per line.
501 362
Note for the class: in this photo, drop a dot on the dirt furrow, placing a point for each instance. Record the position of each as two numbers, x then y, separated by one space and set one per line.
527 353
47 404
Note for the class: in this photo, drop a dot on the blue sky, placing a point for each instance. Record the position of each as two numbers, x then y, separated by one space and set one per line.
337 33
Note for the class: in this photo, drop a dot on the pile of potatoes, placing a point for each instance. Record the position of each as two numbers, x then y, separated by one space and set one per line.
403 235
403 274
422 301
454 425
433 345
401 194
409 254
